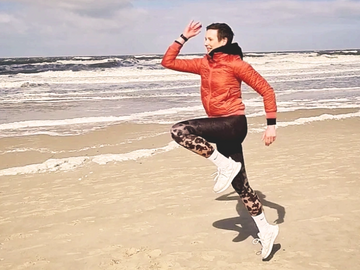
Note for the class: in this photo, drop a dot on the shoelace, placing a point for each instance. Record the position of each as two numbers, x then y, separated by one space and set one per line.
260 239
217 174
256 241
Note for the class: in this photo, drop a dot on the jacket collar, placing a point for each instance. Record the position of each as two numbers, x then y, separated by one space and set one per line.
232 48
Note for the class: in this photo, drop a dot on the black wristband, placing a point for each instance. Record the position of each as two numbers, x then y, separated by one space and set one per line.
178 42
184 38
271 121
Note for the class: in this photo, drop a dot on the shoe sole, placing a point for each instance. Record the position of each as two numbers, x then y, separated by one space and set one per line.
231 178
272 243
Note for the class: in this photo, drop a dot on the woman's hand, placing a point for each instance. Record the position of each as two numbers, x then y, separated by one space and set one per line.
269 135
192 29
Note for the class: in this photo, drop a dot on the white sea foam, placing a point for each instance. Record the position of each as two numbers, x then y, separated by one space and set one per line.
132 74
329 89
277 80
74 95
71 163
303 121
92 120
87 61
145 55
50 165
103 159
46 150
272 77
37 127
108 76
323 117
351 51
82 57
79 61
299 60
305 104
23 150
78 97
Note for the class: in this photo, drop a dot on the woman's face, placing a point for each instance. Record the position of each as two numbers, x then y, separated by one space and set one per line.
211 40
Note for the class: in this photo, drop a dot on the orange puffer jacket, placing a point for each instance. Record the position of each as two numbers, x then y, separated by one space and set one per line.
222 72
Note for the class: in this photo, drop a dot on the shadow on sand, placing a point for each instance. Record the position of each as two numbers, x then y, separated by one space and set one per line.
244 224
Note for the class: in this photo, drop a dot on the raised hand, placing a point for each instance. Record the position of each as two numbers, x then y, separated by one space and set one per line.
192 29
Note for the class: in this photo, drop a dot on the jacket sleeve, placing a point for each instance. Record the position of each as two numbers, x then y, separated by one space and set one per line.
185 65
245 72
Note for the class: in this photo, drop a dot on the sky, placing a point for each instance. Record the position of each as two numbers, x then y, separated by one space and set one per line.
31 28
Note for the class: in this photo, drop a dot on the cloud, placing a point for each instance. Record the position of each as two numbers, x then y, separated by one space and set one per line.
65 27
5 18
276 11
40 14
284 25
90 8
93 27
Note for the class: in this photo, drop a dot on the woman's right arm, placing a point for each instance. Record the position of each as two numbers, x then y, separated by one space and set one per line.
170 57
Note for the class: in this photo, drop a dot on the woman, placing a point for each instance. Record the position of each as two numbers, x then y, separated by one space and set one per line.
222 72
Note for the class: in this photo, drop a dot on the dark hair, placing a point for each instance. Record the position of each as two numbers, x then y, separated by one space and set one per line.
224 31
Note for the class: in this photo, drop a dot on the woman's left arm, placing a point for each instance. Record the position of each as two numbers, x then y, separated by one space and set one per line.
251 77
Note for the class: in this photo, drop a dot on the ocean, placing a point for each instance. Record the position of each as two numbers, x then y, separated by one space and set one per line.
71 96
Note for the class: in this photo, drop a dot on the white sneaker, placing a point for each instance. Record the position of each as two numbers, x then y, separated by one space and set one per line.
225 176
267 240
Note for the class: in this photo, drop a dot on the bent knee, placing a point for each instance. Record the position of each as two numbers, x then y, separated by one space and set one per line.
177 130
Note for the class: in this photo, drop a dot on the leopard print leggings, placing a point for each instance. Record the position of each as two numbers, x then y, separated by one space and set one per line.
227 133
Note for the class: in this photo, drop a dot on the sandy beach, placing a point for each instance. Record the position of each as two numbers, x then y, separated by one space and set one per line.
159 212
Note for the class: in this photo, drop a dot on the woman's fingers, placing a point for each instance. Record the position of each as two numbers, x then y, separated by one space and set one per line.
194 25
192 29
